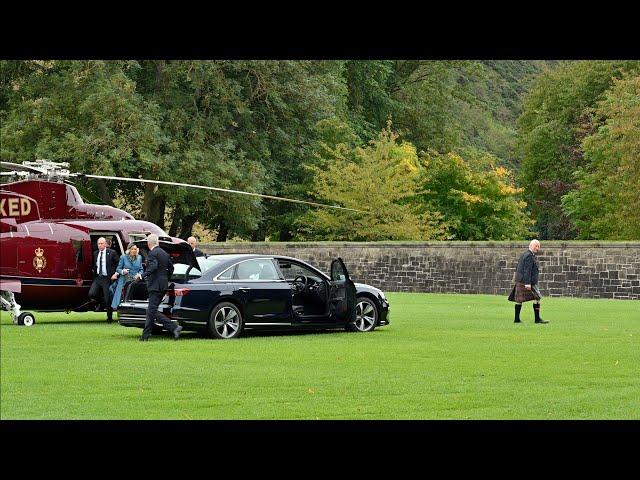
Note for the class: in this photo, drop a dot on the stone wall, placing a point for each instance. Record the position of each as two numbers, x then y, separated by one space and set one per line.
572 269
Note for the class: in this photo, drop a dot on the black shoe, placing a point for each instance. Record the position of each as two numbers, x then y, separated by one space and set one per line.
144 339
541 321
517 321
109 320
176 332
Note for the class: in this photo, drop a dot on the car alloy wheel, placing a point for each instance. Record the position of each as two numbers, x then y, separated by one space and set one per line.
226 321
366 315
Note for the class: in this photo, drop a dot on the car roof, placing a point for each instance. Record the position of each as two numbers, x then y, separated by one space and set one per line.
229 259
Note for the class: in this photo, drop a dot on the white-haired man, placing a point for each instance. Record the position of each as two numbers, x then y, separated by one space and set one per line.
526 279
157 273
193 242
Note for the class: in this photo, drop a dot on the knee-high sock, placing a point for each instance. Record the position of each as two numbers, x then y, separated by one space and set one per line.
536 311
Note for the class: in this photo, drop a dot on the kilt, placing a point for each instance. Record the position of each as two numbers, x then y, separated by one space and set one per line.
519 294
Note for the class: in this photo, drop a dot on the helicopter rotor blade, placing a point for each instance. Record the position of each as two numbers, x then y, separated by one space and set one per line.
20 167
273 197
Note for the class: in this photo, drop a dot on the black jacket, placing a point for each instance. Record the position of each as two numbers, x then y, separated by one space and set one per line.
158 270
197 252
527 270
112 262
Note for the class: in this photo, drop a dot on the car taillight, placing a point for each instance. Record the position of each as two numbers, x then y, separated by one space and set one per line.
180 292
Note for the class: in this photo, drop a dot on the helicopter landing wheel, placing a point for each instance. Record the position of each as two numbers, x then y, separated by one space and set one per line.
27 319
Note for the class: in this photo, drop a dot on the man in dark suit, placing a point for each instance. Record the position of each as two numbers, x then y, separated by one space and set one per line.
105 261
526 279
158 270
193 242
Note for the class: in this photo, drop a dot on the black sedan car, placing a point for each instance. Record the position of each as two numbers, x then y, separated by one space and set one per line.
225 295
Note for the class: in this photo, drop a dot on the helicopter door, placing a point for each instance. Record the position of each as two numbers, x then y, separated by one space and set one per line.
10 260
342 297
111 237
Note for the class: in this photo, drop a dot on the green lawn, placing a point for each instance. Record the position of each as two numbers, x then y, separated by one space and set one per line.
442 357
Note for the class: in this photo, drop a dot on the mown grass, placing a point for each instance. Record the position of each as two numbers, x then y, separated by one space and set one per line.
442 357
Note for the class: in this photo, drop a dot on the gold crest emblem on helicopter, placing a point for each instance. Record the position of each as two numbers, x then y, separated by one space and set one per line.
39 262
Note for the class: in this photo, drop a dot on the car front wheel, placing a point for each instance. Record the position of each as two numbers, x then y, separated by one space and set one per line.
225 321
366 315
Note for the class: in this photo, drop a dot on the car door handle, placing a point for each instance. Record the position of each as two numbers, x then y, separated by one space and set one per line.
244 289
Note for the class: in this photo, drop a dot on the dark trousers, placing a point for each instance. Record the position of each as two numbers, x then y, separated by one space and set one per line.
155 298
99 290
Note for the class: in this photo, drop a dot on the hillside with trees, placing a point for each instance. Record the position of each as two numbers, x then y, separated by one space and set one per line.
463 150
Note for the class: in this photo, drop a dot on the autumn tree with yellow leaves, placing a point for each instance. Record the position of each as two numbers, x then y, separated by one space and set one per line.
476 195
458 196
380 178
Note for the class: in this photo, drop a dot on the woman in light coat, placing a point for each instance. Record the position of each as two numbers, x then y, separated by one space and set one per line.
129 269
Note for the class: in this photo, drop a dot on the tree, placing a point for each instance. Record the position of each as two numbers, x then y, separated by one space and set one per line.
605 203
417 95
554 122
475 194
201 105
379 178
84 112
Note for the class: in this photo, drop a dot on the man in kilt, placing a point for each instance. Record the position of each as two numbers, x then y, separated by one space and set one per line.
526 279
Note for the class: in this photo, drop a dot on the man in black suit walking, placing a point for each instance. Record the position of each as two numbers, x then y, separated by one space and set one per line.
157 272
105 261
526 279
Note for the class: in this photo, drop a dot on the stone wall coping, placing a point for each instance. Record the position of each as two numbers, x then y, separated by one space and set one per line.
436 244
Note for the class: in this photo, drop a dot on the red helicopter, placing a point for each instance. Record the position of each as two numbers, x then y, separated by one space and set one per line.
48 235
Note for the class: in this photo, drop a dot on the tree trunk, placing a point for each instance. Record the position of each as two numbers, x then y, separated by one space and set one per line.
153 205
103 191
258 235
223 232
285 235
186 229
175 222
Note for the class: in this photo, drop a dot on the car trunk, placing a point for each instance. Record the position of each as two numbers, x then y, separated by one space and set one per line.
179 252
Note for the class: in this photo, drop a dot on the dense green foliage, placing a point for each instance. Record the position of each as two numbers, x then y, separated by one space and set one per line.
246 125
605 203
556 119
441 357
292 128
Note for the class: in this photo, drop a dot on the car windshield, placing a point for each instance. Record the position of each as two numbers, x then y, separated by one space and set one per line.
180 269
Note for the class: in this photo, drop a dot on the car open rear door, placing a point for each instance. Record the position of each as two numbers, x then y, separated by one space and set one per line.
342 296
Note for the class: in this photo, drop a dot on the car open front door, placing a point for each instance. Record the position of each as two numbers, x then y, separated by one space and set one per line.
342 297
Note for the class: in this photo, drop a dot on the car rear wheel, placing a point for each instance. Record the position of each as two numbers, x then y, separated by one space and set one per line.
366 315
225 321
